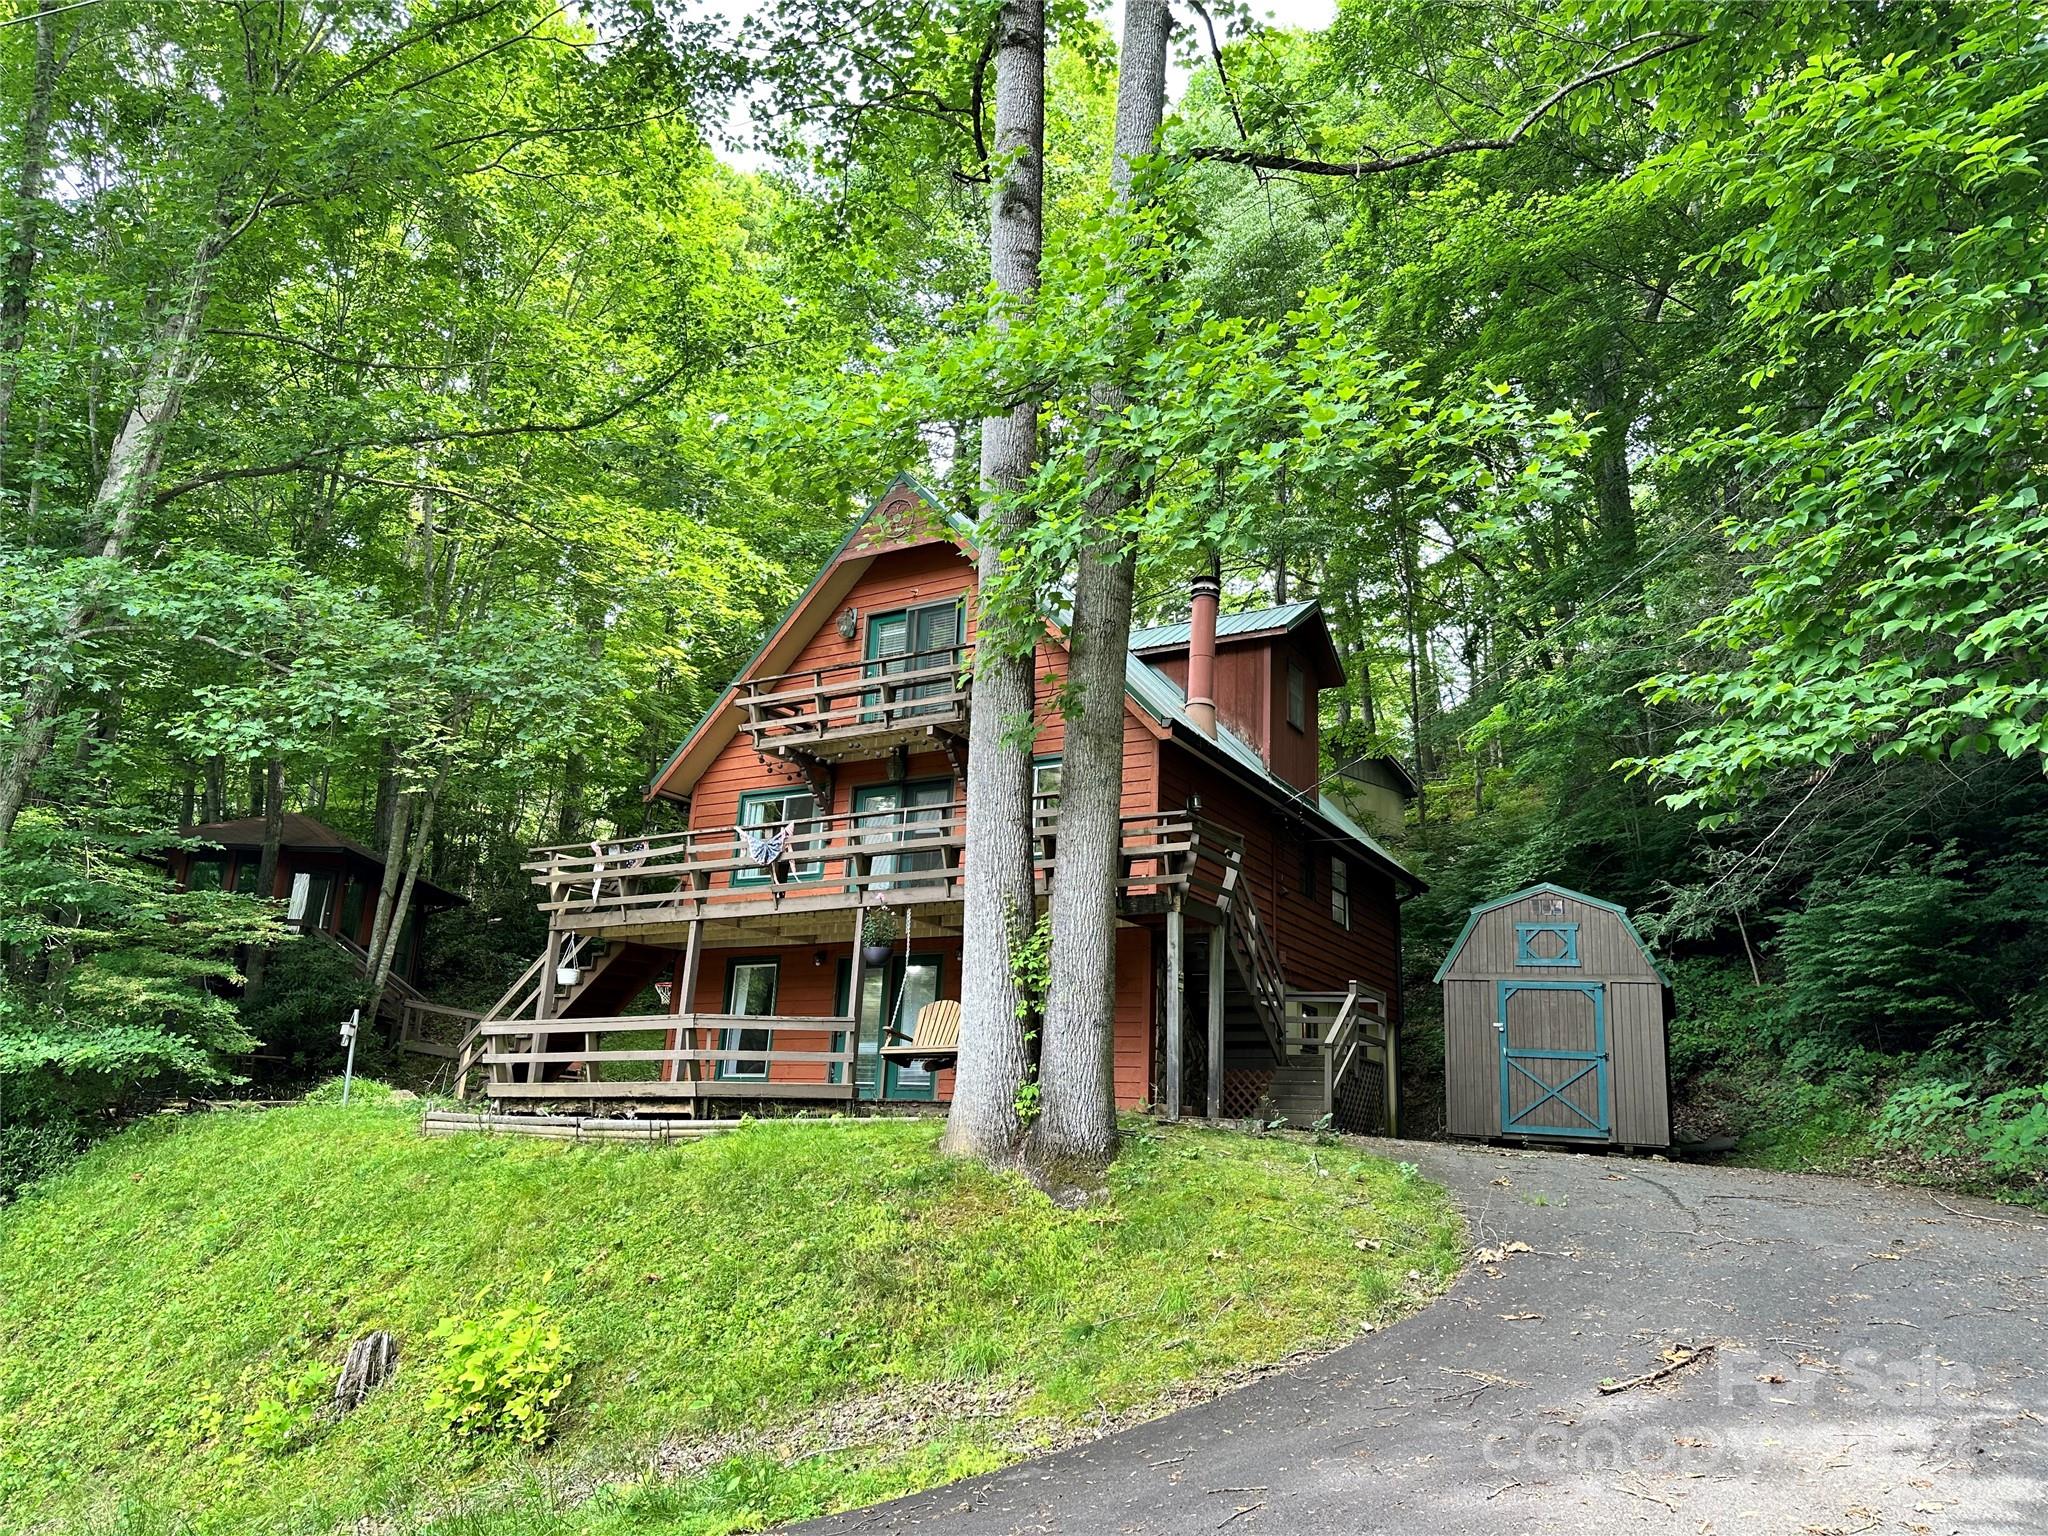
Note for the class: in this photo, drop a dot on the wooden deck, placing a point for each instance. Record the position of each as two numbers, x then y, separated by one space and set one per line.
838 863
859 709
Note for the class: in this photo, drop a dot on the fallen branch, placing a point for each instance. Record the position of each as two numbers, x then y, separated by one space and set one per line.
1670 1367
2003 1221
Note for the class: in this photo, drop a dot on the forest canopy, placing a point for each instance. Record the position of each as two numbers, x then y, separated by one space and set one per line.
412 415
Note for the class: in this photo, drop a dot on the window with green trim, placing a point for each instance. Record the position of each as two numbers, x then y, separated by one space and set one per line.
768 809
1045 784
750 988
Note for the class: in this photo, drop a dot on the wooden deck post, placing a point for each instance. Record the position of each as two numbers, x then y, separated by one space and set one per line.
1218 942
1391 1086
552 958
1176 943
686 993
856 983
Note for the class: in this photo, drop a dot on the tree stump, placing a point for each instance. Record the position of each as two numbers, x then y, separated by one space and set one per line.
371 1359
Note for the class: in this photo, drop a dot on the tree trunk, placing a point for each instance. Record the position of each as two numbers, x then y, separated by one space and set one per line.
1612 497
387 885
266 863
1076 1128
997 899
381 958
17 276
138 448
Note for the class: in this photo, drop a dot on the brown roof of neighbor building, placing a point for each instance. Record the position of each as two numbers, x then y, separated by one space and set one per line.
303 832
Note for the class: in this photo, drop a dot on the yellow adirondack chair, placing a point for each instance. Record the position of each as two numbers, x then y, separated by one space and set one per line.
934 1034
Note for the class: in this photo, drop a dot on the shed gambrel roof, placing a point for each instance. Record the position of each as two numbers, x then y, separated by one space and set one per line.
1547 887
1157 699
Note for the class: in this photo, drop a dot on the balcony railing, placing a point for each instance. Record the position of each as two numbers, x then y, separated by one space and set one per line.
857 709
862 858
668 1056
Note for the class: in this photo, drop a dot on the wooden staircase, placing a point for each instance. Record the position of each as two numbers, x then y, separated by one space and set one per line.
611 976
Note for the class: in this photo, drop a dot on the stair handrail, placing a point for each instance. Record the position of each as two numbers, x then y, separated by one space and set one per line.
1339 1046
523 994
1259 962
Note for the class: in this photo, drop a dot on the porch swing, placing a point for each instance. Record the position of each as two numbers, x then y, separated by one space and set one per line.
935 1032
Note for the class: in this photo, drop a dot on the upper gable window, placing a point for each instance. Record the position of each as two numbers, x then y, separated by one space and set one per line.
1297 697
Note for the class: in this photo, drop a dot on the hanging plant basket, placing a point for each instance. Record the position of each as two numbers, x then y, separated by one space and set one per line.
568 975
879 932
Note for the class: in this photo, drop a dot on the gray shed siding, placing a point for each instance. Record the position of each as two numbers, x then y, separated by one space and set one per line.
1610 957
1471 1060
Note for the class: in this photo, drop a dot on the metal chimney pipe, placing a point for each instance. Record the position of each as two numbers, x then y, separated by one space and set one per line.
1203 593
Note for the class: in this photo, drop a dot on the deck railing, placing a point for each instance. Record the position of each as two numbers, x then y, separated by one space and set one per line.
687 1055
855 706
860 858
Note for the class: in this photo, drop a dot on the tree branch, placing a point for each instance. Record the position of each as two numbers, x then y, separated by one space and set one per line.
316 458
1226 154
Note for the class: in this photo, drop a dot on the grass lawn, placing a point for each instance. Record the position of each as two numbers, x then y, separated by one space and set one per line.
766 1325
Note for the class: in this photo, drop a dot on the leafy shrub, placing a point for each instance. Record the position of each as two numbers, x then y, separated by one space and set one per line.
500 1377
1721 1015
119 998
32 1149
280 1423
308 988
2006 1132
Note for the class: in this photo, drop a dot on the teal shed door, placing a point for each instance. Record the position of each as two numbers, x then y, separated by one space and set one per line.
1553 1059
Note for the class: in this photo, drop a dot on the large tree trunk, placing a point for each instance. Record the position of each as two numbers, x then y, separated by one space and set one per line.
1076 1127
17 276
137 450
997 902
266 862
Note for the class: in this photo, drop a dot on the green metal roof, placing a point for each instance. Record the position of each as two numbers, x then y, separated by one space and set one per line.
1553 888
1253 621
1161 697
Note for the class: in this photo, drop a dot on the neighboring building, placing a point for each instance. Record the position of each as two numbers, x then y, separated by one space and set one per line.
1258 955
1379 789
329 882
1556 1024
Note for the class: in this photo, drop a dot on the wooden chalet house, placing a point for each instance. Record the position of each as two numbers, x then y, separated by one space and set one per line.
328 882
1259 950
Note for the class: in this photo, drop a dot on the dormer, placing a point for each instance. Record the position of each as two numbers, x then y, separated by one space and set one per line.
1270 667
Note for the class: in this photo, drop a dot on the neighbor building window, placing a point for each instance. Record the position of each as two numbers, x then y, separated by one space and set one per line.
1340 892
1297 697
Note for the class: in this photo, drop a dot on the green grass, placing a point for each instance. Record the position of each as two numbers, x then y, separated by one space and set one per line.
807 1316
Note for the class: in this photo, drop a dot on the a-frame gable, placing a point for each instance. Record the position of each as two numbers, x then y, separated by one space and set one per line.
904 516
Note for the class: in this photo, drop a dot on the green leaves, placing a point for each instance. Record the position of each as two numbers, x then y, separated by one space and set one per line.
499 1377
1892 450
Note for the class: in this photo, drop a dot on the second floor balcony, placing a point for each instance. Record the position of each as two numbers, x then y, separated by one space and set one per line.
900 858
858 709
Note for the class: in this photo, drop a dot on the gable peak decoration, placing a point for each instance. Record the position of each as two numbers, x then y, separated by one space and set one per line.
903 515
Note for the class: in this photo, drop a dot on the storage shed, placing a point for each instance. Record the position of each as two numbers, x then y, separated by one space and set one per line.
1555 1024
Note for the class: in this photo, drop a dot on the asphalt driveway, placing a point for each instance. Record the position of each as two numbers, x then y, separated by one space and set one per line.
1877 1364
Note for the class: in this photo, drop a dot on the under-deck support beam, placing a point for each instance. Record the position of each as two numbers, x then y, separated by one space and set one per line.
1217 944
1176 968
